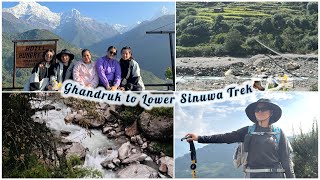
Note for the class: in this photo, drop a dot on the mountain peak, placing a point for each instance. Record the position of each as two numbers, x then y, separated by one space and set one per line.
164 10
75 12
34 12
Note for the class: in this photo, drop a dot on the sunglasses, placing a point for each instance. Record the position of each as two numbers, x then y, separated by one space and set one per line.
261 109
113 53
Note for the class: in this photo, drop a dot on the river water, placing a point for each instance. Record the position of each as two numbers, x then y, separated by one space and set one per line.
55 120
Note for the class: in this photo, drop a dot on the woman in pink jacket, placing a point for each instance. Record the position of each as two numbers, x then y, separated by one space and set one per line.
84 72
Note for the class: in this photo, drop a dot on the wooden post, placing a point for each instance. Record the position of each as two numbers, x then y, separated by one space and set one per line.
14 64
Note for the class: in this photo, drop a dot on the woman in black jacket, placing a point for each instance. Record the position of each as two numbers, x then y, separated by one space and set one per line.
268 155
41 73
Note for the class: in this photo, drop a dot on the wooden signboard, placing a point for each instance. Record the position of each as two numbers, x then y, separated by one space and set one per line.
27 56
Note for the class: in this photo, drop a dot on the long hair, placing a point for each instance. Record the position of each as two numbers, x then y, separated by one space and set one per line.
53 57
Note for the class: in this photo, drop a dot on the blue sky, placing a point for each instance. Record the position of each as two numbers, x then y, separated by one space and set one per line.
126 13
299 109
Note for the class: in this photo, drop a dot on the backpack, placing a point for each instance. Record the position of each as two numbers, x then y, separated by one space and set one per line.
240 155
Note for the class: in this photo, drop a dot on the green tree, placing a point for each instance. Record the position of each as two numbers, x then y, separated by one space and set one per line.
168 73
312 7
278 22
233 42
267 25
305 148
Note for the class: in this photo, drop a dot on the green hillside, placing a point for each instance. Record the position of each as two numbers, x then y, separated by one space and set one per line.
218 29
23 74
213 161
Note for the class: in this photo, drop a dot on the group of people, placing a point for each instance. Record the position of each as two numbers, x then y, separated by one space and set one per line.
106 72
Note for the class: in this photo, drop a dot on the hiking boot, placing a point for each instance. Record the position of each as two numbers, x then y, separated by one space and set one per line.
257 85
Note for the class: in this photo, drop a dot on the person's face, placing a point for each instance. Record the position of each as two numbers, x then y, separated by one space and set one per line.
48 57
126 54
112 53
86 57
262 112
65 58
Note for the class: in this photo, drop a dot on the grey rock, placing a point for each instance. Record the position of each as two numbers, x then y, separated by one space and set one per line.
144 145
116 161
166 165
106 129
137 171
156 128
124 150
135 157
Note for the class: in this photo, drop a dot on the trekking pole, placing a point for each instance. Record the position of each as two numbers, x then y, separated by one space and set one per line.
193 156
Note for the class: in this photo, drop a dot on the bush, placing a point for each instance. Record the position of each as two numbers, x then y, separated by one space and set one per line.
162 111
305 148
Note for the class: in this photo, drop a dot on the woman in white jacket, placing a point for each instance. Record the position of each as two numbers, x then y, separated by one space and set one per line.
130 72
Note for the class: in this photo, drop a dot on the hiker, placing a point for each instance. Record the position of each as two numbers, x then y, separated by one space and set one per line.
109 70
63 70
85 72
130 72
266 158
39 80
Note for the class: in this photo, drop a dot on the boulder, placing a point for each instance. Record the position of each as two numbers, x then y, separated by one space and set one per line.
166 165
124 150
292 66
78 117
139 140
144 145
135 157
69 117
76 149
121 133
105 163
137 171
133 139
156 127
116 161
112 134
111 166
106 129
149 159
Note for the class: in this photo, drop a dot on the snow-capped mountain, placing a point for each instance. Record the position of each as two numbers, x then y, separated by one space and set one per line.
83 31
35 14
120 28
72 26
161 12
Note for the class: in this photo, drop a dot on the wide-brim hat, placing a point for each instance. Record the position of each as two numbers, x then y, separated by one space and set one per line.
276 111
65 51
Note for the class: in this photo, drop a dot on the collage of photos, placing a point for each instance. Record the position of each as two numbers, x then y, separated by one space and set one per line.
160 89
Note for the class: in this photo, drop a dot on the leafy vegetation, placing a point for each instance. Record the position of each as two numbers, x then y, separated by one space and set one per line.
305 147
29 149
162 111
165 147
218 29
